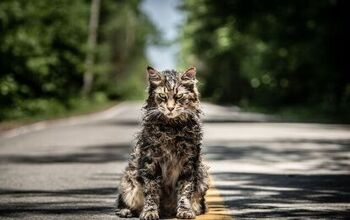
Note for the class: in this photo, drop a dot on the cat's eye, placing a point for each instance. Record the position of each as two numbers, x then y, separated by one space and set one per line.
179 96
162 95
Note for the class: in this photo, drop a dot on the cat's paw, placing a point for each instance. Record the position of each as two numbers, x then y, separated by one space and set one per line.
124 213
149 215
185 214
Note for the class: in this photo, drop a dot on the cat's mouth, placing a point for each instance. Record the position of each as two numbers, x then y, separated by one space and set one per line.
171 115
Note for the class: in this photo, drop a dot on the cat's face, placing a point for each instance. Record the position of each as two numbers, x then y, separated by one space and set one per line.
173 93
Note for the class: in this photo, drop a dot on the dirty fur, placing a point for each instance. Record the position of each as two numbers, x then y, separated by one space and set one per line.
165 175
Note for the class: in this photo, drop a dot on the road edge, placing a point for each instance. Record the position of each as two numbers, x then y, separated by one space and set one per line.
73 120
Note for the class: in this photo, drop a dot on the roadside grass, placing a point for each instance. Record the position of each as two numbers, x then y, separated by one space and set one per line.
76 107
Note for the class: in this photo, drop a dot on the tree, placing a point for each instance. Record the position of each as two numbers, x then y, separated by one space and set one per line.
43 54
269 53
89 62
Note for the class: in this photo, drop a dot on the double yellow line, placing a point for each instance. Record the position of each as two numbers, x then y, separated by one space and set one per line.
217 208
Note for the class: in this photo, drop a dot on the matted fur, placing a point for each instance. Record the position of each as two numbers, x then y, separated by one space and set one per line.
165 175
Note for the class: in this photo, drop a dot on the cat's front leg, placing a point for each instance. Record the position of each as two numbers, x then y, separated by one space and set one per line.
185 188
150 210
150 174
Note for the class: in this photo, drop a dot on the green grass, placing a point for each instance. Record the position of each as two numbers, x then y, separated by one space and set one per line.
77 107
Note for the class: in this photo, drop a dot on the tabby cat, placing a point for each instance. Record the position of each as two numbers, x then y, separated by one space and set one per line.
165 175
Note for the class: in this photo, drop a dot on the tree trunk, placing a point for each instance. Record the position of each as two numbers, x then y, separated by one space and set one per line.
89 62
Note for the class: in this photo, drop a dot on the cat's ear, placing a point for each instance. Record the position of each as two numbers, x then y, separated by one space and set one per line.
189 74
154 76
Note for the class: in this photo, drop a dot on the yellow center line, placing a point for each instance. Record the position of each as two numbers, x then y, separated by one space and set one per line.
217 208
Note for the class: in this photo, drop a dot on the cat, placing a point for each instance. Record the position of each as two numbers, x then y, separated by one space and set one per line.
165 175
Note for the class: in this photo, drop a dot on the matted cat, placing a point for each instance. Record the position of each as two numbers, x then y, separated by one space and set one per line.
165 175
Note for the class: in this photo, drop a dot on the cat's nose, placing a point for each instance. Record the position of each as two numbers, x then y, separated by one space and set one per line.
171 108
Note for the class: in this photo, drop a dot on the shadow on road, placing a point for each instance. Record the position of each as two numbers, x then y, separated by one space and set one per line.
317 153
272 193
283 187
91 154
67 202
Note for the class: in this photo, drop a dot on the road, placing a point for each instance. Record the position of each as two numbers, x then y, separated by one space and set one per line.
70 169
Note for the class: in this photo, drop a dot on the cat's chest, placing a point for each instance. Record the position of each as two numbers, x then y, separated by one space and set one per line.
173 149
170 162
175 146
170 137
171 166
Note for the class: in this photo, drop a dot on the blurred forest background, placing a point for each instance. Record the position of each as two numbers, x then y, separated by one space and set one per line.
284 57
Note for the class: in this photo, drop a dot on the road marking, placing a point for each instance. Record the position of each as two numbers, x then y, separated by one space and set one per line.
217 208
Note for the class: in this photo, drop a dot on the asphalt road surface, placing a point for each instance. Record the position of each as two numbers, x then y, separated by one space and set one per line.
70 169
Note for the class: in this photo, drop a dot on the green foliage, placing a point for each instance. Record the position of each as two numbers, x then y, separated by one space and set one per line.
43 50
121 57
41 53
269 53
